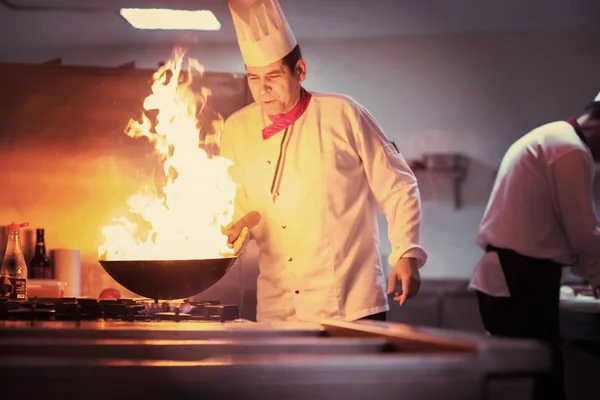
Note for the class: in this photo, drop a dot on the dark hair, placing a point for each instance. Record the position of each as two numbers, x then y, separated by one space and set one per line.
593 110
292 58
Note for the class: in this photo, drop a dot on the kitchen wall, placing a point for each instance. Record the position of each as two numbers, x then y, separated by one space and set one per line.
472 94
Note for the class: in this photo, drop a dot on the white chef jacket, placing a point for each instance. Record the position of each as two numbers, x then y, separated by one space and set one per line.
318 238
541 206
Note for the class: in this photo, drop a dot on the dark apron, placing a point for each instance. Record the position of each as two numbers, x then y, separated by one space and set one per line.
532 311
534 286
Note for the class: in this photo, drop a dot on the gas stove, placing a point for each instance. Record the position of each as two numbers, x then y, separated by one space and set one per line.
131 310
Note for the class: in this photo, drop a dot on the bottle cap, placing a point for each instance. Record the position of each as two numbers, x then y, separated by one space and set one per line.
16 227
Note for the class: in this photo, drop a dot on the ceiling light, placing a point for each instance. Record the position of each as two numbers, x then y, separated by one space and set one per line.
157 18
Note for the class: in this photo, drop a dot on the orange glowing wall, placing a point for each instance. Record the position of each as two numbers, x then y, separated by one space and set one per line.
67 165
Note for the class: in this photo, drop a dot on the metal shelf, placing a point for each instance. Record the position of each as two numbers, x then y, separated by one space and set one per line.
457 172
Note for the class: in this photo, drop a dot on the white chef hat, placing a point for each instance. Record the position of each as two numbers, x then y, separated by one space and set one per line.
263 33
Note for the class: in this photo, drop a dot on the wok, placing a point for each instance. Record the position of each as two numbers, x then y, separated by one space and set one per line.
168 279
176 279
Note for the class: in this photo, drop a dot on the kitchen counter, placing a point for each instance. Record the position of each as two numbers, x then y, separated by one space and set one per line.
580 328
580 317
155 329
333 360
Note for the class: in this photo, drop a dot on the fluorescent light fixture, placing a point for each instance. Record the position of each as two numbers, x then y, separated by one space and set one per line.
161 18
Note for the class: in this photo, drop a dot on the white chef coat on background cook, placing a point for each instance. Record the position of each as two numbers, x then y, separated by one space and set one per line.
541 206
317 239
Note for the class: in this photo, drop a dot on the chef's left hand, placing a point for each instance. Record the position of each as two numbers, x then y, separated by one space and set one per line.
406 271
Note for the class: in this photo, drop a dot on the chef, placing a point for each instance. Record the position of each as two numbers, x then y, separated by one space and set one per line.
316 166
540 217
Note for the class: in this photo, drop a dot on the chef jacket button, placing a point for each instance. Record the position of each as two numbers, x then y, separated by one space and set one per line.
269 162
289 258
276 193
283 226
296 291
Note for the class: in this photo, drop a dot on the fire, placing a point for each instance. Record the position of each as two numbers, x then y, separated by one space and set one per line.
182 221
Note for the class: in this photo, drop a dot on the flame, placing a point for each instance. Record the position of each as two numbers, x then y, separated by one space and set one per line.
184 220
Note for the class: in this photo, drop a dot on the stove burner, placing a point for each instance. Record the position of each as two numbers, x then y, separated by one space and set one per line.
215 312
172 316
34 314
83 309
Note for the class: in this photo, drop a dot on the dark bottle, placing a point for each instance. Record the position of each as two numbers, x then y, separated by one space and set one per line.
39 266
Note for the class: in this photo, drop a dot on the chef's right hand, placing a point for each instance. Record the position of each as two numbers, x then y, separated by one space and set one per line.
238 243
237 233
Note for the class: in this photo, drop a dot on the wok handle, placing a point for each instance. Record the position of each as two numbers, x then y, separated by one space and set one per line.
249 221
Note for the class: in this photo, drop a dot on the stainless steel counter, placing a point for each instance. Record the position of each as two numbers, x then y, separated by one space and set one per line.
333 360
580 319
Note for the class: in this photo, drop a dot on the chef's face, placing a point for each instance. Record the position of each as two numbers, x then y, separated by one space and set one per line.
275 87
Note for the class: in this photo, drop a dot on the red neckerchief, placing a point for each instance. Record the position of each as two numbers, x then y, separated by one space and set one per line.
573 122
282 121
